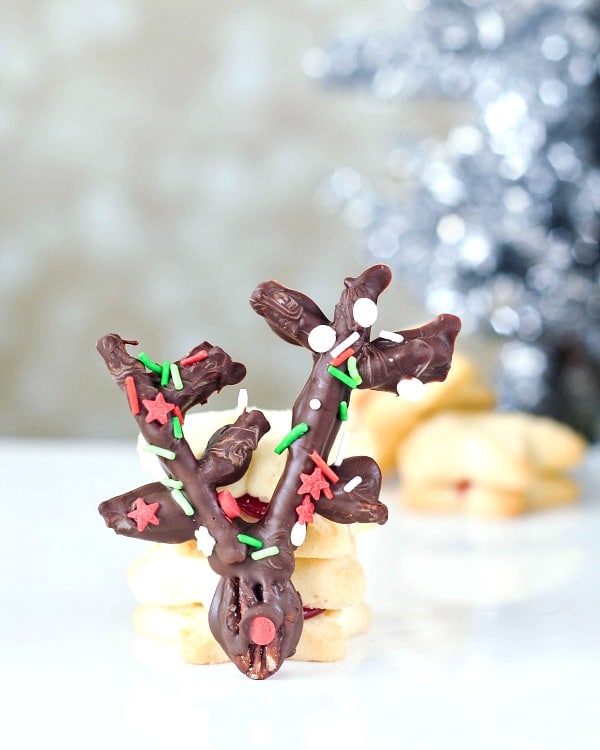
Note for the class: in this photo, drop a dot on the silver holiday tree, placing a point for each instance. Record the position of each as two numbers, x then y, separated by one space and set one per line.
500 223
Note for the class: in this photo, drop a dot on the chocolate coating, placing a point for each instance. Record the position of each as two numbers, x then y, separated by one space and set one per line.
254 586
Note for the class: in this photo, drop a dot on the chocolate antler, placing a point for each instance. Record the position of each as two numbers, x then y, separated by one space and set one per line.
256 613
159 396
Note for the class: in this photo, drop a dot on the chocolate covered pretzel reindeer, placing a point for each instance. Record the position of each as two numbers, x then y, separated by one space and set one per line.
256 613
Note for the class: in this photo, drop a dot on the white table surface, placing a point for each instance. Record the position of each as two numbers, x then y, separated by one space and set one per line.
484 635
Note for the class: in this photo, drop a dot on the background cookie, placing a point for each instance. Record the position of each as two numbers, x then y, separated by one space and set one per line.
388 419
490 463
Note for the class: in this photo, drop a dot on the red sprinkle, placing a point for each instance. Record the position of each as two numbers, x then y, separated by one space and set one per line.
132 395
158 409
305 510
228 503
178 413
342 357
262 630
193 358
144 513
325 468
313 484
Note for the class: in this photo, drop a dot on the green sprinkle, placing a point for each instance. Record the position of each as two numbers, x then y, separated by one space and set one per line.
158 451
174 484
177 429
183 502
165 373
300 429
147 362
176 376
353 370
266 552
251 541
343 410
345 379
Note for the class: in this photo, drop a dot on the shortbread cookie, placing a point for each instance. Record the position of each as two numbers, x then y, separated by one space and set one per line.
323 637
185 626
491 464
389 419
176 575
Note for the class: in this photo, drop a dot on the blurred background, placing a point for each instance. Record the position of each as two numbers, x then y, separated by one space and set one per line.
159 159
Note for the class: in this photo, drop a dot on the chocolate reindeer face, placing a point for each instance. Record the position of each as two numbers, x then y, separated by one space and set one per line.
256 614
257 619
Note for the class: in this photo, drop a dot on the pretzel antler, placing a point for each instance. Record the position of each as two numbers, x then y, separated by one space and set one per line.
256 613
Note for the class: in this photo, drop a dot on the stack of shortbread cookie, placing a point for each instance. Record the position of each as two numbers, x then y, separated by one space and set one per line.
174 584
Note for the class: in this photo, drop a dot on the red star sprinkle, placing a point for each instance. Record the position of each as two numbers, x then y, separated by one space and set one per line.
305 510
158 409
144 513
313 484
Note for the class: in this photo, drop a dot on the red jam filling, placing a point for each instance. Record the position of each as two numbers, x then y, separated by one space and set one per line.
309 612
463 486
252 506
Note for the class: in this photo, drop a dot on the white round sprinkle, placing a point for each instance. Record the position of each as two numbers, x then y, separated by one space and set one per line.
410 388
315 404
364 312
204 541
322 338
298 534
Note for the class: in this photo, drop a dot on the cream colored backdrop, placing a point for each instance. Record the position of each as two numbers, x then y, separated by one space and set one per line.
159 159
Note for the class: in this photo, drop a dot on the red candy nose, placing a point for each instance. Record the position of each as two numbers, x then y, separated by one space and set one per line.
262 631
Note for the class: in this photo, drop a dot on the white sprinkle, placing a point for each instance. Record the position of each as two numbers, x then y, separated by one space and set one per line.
352 484
341 449
204 541
397 338
314 404
364 312
410 389
242 402
298 534
343 345
322 338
